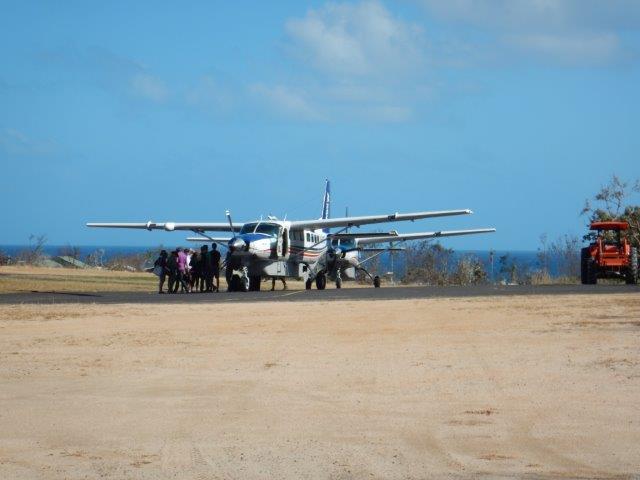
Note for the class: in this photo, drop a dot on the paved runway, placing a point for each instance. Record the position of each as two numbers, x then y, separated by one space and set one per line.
388 293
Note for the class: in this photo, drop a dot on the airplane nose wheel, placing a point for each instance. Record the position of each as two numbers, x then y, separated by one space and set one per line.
321 281
254 283
376 281
308 284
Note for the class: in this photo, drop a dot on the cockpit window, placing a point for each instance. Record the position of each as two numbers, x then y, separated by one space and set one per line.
266 228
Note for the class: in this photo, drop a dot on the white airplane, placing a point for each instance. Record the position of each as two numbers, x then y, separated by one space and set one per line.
301 249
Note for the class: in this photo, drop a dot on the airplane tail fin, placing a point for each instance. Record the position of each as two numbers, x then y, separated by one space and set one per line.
326 202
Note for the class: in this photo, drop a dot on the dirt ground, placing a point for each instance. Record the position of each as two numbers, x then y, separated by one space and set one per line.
534 387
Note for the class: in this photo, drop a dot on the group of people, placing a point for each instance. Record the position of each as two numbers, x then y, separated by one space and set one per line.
189 270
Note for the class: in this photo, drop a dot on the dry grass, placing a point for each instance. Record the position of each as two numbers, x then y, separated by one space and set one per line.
41 279
15 279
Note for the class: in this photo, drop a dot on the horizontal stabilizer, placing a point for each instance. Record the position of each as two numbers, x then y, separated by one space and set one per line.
353 236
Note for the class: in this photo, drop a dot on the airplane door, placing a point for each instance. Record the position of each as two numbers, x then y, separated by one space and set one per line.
285 242
279 247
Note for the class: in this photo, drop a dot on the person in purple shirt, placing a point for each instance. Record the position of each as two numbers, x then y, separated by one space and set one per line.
182 272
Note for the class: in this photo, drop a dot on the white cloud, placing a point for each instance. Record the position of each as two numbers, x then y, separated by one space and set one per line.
570 49
388 113
356 39
545 15
285 100
361 62
571 32
149 87
15 142
209 95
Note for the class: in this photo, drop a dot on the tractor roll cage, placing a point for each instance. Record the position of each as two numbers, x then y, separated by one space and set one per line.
609 226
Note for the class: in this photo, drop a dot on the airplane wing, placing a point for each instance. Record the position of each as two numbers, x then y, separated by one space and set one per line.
171 226
367 220
420 236
221 241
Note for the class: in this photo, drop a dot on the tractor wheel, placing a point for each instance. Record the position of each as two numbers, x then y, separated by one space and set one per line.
632 270
308 284
321 281
592 272
585 257
338 283
376 281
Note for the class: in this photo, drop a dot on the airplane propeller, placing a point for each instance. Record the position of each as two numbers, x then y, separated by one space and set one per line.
228 215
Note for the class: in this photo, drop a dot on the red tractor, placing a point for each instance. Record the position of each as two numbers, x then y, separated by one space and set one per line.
610 255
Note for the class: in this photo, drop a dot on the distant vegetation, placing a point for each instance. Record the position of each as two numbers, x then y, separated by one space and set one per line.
432 264
133 262
558 261
613 202
34 253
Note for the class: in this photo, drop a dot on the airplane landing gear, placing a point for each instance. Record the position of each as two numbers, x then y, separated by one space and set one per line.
376 281
308 284
321 281
239 283
338 282
254 283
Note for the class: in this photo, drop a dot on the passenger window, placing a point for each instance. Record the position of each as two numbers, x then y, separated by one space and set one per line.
308 237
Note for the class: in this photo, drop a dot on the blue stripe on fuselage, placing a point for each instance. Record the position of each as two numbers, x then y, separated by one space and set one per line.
251 237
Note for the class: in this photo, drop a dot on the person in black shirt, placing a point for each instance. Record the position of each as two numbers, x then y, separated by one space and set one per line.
215 266
195 272
205 268
161 264
172 267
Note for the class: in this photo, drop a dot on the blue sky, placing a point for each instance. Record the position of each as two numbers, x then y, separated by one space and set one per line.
136 111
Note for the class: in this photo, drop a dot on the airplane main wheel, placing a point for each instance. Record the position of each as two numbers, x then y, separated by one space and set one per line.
338 283
321 281
234 284
308 284
376 281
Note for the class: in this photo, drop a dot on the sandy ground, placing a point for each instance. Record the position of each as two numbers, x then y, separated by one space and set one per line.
534 387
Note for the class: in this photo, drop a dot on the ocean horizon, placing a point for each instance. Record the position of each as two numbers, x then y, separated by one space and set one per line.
524 259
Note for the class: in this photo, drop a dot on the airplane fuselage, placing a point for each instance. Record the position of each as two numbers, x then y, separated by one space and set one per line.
272 248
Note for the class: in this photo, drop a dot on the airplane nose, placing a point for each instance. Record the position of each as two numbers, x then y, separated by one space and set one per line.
237 244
